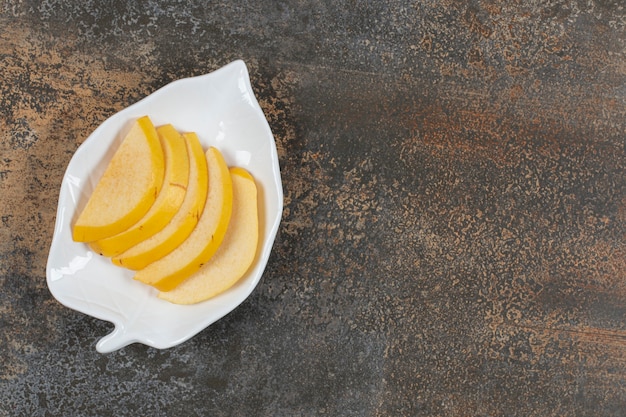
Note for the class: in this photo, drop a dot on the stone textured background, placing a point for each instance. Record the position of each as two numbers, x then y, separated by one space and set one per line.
453 238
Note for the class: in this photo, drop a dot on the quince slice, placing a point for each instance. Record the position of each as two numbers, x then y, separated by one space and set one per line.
183 222
166 273
235 254
127 189
167 203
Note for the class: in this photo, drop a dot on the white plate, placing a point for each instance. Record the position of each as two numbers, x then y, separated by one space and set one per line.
222 109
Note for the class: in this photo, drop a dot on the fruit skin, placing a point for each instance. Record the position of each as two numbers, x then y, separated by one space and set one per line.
127 189
236 253
183 222
169 271
167 203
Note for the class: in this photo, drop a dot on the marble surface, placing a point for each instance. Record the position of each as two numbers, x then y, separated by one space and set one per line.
455 210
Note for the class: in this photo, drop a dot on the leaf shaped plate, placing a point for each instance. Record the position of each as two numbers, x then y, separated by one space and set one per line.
222 109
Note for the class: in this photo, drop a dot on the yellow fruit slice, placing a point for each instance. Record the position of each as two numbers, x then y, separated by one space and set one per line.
235 254
169 271
167 203
128 188
183 222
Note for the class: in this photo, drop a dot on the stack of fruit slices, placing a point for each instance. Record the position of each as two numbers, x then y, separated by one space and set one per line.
185 222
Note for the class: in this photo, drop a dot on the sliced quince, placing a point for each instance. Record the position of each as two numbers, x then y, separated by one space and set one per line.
127 189
167 203
235 254
169 271
183 222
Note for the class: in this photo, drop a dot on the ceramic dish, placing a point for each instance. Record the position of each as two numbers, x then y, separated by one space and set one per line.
222 109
